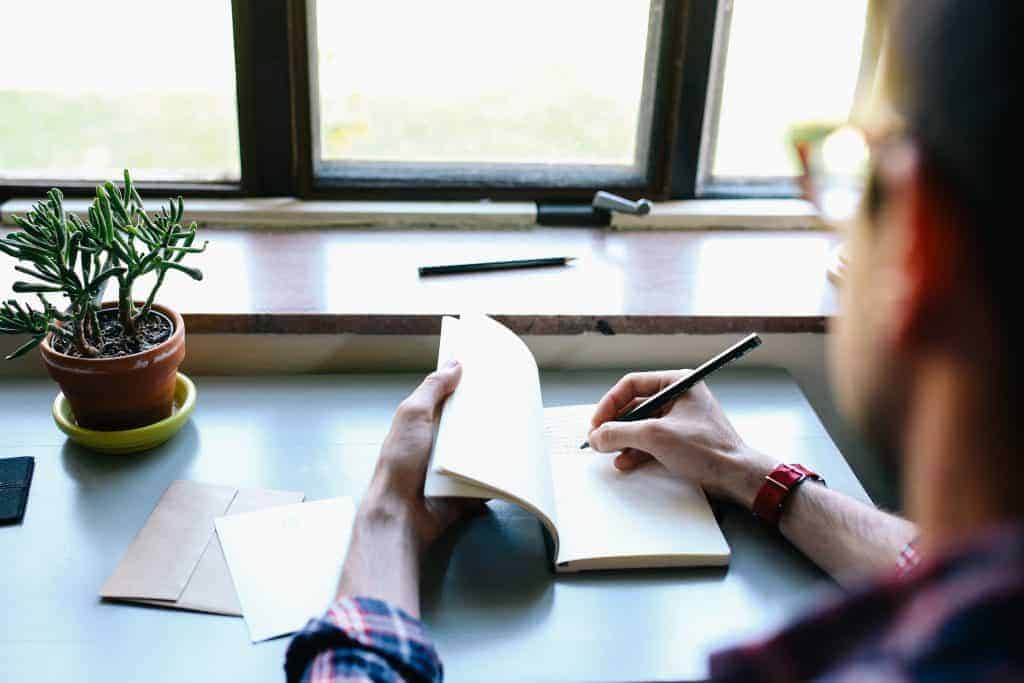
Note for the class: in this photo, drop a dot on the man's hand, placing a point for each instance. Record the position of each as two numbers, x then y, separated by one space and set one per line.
396 523
397 487
691 438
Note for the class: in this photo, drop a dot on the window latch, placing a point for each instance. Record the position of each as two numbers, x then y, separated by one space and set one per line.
613 202
596 214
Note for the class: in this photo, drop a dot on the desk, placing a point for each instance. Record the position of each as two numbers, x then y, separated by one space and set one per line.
488 596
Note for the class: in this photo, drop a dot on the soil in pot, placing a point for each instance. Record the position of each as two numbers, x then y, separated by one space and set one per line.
113 342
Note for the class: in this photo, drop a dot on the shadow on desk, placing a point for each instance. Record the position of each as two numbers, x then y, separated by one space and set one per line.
501 562
95 477
90 468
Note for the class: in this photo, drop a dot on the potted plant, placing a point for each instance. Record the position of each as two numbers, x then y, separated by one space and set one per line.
116 362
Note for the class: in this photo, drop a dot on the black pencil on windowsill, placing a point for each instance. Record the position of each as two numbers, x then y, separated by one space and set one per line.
495 265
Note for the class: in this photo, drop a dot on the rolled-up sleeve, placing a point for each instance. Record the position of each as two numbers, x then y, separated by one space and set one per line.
362 639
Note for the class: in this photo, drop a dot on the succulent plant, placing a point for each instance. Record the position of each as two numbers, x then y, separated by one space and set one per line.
64 254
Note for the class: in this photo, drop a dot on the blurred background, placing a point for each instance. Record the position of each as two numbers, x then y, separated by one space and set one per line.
87 89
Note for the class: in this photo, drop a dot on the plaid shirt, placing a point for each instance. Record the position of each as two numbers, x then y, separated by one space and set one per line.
361 639
956 619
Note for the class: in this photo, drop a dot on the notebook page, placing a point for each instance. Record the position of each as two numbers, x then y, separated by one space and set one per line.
491 430
643 518
438 484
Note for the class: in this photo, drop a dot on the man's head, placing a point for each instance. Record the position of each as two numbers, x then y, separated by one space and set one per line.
933 256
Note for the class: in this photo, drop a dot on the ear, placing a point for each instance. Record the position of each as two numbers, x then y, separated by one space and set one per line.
927 249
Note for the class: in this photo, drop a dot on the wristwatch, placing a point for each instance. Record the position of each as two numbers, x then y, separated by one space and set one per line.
776 489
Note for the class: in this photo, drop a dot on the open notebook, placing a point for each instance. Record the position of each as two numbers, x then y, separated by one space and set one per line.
496 440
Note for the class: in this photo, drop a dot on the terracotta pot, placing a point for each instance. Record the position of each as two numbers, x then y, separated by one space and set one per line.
123 392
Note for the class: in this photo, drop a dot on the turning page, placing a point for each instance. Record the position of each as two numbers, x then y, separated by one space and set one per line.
609 519
490 440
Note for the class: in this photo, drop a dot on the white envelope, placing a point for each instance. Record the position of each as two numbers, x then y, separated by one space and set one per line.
286 561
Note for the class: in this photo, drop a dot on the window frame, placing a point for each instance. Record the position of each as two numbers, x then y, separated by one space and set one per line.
264 80
705 184
488 181
265 139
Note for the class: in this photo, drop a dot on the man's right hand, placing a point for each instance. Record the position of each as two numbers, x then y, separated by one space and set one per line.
691 438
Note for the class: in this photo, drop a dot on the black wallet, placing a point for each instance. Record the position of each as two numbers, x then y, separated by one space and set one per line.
15 480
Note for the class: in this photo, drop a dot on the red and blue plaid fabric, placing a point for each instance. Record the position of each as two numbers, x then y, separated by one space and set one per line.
361 639
954 619
908 560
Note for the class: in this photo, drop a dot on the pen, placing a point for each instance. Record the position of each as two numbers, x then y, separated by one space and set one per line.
495 265
670 393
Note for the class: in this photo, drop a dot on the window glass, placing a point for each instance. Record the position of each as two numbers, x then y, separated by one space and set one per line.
785 62
532 81
87 89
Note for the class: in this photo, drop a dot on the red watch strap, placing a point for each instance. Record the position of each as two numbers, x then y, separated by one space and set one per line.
776 489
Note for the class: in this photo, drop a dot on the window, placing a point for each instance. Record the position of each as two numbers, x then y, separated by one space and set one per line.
776 64
464 94
504 84
539 100
88 89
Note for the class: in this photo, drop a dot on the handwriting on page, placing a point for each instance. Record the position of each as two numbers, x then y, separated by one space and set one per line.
566 427
644 516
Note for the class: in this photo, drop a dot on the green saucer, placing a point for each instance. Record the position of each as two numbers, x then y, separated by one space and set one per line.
125 441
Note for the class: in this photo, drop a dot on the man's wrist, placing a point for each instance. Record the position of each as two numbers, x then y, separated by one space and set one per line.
382 560
389 520
389 497
746 479
384 508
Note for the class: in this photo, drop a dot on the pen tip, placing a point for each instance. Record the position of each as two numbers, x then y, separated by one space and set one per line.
585 445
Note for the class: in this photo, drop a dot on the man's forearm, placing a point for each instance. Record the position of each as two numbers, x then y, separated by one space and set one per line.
383 557
846 538
373 631
843 536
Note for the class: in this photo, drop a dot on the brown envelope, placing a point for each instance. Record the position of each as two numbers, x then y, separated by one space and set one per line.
176 559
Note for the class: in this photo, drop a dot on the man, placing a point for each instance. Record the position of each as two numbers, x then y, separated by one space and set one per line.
923 360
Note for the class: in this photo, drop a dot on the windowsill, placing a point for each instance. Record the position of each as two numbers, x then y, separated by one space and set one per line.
313 281
288 212
733 214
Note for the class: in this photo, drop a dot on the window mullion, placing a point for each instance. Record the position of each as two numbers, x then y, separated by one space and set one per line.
698 36
265 111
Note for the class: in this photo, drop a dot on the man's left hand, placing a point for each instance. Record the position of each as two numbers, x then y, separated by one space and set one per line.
397 486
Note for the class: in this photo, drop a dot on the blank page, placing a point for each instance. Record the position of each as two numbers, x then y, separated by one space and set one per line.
610 519
491 431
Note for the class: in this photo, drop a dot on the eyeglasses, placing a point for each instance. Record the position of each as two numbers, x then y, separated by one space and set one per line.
836 163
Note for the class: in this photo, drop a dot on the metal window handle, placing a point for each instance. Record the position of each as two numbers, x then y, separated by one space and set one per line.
613 202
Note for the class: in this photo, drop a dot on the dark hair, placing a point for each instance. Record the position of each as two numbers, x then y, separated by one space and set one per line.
956 84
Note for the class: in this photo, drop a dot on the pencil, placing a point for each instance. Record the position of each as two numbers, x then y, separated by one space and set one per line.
495 265
670 393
